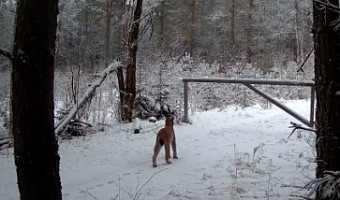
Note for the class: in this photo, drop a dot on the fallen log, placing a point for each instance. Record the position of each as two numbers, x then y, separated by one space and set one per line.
89 93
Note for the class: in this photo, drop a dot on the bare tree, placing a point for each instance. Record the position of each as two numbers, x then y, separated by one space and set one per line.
297 52
232 25
35 145
127 85
108 9
327 81
249 31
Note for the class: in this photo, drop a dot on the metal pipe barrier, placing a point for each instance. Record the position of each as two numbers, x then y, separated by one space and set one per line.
249 84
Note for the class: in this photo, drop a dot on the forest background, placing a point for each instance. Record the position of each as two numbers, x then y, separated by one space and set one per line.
192 38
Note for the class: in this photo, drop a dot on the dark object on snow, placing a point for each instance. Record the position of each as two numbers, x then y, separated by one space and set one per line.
137 125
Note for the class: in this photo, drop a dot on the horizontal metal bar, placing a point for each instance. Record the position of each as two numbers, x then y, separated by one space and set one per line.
283 107
250 81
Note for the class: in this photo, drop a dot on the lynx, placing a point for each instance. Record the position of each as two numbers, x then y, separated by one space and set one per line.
165 136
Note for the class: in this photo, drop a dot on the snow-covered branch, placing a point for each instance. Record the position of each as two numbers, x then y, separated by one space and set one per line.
6 142
6 53
328 186
299 126
328 5
89 93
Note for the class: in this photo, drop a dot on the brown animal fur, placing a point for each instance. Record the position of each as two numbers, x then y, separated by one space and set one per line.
165 136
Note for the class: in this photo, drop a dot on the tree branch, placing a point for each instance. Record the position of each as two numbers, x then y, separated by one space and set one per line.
141 188
301 66
328 5
300 196
6 53
6 142
298 126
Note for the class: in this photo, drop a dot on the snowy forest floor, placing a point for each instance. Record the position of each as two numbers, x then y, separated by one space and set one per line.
228 154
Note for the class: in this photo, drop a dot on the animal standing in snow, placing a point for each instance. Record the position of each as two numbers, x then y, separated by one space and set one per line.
165 136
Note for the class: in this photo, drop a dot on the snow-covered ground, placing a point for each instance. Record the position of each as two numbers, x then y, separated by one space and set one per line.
229 154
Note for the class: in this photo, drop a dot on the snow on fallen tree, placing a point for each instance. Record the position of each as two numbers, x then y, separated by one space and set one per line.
328 187
89 93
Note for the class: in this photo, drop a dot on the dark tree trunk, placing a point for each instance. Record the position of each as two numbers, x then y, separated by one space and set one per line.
327 80
109 14
192 26
297 43
128 90
121 86
35 145
232 26
249 31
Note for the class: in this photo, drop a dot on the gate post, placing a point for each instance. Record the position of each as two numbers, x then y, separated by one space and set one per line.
186 112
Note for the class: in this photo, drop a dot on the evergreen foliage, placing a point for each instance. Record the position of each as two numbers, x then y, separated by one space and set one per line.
161 63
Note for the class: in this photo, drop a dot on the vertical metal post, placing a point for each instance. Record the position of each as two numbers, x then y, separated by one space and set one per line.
312 105
186 112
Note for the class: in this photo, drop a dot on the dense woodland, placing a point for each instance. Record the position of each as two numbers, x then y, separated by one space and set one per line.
238 39
157 42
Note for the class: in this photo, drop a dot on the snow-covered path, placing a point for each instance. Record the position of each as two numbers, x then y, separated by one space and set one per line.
229 154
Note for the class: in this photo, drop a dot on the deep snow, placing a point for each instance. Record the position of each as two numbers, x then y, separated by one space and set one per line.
229 154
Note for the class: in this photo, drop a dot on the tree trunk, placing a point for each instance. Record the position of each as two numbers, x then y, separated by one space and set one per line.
128 89
35 145
121 86
327 81
162 49
108 12
297 47
232 26
249 31
192 26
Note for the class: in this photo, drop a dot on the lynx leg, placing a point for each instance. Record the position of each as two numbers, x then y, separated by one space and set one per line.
174 148
155 154
167 152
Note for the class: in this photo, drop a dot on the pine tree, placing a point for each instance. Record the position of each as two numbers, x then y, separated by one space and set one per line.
35 145
327 82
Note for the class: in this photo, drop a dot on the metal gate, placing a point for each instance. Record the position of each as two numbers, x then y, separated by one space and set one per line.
249 83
